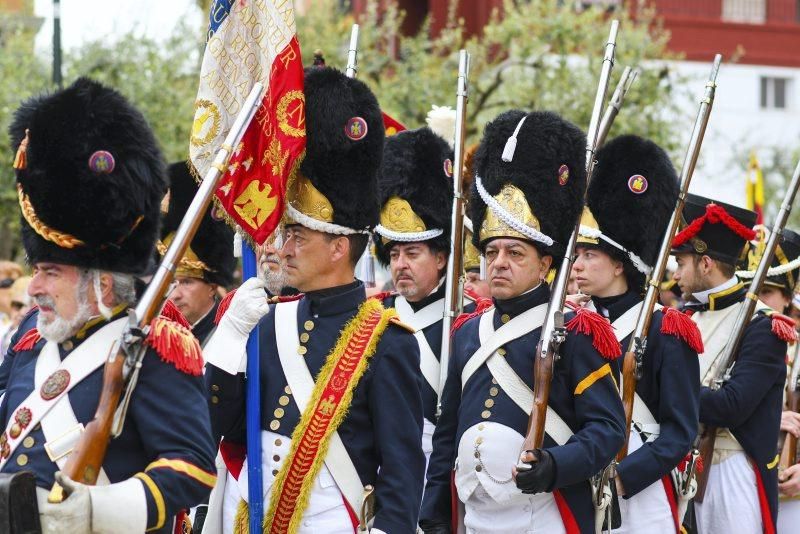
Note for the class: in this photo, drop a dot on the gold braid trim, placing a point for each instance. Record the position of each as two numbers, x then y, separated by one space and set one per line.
62 239
311 437
184 263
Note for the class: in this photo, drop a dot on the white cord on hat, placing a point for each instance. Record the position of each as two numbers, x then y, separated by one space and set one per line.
509 219
408 237
773 271
511 144
321 226
594 233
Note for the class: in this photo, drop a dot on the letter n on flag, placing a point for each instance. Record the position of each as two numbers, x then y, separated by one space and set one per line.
251 41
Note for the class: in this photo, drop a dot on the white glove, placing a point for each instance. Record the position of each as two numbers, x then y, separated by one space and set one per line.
119 508
227 346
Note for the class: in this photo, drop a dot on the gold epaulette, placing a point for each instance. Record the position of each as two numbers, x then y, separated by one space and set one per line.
395 320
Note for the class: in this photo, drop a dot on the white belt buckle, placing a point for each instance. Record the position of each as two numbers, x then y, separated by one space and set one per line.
59 447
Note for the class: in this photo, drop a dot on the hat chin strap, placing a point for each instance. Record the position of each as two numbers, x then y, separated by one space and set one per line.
321 226
508 218
593 233
407 237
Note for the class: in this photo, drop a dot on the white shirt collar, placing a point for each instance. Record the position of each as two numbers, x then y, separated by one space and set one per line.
703 296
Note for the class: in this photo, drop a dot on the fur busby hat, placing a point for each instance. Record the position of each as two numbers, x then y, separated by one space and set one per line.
530 176
785 266
210 254
714 229
630 200
90 178
336 189
415 185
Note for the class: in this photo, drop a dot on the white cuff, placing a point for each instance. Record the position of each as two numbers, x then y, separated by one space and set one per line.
223 346
119 508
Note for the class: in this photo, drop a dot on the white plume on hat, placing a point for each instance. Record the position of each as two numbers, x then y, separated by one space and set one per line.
442 120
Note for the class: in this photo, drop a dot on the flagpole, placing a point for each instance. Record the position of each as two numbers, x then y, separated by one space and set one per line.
255 492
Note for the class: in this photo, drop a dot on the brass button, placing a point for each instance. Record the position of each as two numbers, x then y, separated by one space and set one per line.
505 318
493 391
274 425
274 472
288 390
278 442
489 403
301 350
477 454
214 399
501 352
478 468
308 325
494 381
22 459
486 414
28 442
67 345
304 337
214 387
284 400
478 440
480 426
278 413
276 458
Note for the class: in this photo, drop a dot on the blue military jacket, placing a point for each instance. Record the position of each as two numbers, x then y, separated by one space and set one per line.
583 393
670 387
750 403
383 428
166 423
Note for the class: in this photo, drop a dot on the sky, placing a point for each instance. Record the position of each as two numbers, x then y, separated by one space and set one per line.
89 20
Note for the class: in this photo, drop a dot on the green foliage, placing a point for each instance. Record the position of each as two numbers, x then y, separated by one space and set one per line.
540 54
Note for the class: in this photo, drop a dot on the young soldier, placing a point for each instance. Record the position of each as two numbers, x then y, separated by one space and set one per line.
523 205
742 491
413 241
208 263
630 200
90 179
340 381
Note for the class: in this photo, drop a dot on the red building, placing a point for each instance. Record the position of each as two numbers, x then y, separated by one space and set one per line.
765 32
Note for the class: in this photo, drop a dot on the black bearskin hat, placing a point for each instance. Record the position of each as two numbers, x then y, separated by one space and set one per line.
90 178
548 165
714 229
417 168
344 142
210 254
632 195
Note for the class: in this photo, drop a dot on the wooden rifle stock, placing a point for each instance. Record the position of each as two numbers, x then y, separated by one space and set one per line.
628 393
542 378
121 370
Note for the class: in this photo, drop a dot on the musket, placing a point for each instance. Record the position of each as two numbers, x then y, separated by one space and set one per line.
789 449
615 104
125 356
708 434
454 283
352 54
632 362
553 332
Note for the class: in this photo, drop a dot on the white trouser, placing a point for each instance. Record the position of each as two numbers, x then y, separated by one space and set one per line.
731 500
326 511
427 440
648 510
789 516
529 514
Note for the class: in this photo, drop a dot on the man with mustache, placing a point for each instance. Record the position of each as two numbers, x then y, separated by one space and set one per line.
340 382
524 205
90 179
629 203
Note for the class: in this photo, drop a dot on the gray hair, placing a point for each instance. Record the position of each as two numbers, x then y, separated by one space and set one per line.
122 288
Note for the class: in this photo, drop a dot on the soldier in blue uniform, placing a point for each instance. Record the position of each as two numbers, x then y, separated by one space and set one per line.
413 241
208 263
375 447
523 205
630 200
90 179
742 491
